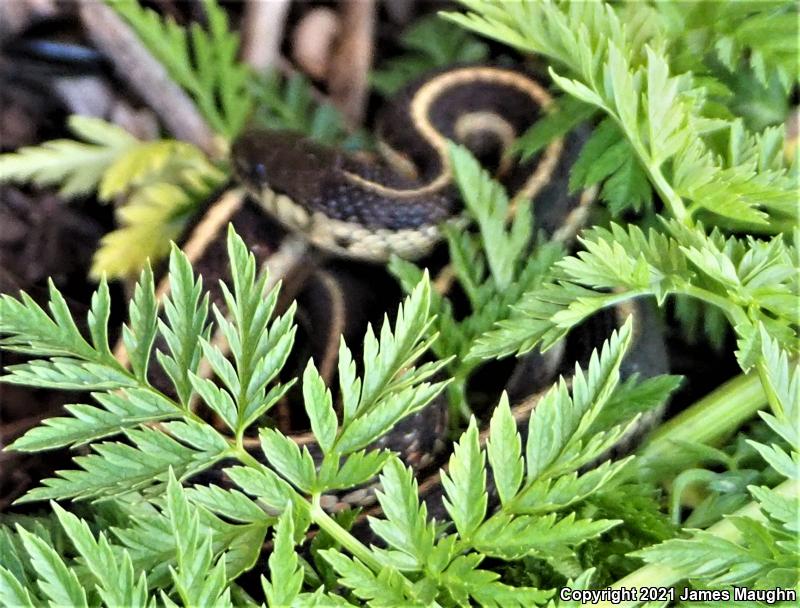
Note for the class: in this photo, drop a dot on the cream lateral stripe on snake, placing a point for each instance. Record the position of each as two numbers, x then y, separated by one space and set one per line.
367 211
352 208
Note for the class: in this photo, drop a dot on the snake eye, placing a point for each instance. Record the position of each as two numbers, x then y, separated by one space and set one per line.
259 172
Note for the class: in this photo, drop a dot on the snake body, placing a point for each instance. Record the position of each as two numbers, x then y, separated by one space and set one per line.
354 208
369 211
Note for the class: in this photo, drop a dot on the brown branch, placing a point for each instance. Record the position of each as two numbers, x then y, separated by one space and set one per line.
336 298
15 16
262 32
313 38
145 75
352 59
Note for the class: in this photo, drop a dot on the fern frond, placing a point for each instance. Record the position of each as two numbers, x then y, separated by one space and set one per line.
201 61
658 113
145 463
162 183
750 281
288 103
112 571
430 43
77 166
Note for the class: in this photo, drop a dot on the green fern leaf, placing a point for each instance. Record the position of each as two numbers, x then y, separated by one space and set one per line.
465 484
113 573
406 527
286 576
74 165
202 62
197 579
57 582
127 408
12 592
145 463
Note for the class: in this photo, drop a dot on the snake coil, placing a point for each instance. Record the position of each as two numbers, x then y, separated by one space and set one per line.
350 207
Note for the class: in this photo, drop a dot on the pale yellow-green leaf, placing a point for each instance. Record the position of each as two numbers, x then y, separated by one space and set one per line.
76 167
100 132
163 182
153 216
150 162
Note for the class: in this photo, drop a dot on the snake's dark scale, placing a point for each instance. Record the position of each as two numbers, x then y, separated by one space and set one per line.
368 211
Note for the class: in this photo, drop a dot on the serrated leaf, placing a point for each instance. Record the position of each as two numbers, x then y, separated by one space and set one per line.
228 503
124 409
203 62
559 419
319 407
140 333
286 457
116 581
406 526
395 406
197 578
465 483
12 593
116 469
510 538
186 312
76 166
364 583
263 483
488 203
56 581
286 576
504 449
397 348
358 468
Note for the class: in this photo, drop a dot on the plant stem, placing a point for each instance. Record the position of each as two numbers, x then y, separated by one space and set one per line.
713 417
342 536
244 456
657 575
671 198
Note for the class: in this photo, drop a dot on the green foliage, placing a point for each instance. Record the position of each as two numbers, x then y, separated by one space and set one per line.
524 512
528 521
759 35
430 43
750 281
493 267
112 571
657 137
289 103
176 534
661 116
203 62
162 184
76 166
760 551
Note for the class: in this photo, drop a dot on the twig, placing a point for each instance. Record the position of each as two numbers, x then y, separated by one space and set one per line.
16 16
349 68
330 356
145 75
312 40
400 11
262 32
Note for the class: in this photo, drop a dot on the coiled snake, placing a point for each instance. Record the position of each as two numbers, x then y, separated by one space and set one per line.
358 209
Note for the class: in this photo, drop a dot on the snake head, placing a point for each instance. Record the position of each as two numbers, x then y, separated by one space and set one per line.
282 161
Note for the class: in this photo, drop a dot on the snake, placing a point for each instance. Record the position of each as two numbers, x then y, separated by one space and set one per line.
368 211
355 207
